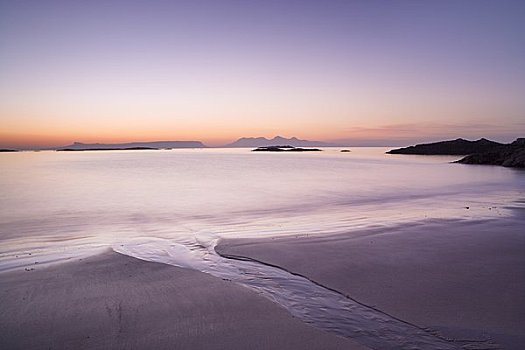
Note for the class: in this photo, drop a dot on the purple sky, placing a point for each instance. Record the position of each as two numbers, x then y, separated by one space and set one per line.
387 71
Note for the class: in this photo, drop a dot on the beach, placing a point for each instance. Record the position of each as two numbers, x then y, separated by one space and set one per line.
119 302
463 279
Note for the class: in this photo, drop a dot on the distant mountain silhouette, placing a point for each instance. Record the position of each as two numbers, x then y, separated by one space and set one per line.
78 146
452 147
278 140
510 155
107 149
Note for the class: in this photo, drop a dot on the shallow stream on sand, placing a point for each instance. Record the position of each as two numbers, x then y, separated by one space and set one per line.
305 299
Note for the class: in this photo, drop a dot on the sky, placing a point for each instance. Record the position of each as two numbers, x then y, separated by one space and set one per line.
357 72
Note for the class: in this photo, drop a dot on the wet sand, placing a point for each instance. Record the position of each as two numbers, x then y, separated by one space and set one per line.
465 279
119 302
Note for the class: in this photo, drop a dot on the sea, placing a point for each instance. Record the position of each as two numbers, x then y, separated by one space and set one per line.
57 206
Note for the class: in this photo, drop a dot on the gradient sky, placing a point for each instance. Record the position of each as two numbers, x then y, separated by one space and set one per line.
371 72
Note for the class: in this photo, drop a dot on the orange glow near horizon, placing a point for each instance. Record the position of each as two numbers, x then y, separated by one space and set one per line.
220 116
217 135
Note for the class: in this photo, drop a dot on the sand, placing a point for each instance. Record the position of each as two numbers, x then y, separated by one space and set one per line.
119 302
463 278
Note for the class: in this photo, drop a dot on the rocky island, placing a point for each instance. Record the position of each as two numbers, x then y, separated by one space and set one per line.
285 149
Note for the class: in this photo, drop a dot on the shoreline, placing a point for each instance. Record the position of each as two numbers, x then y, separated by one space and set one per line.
461 279
465 280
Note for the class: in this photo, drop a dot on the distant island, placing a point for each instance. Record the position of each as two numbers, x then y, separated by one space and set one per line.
8 150
482 151
105 149
78 146
458 147
286 148
277 140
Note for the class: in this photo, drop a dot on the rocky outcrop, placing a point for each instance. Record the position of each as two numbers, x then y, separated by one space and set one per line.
511 155
285 149
452 147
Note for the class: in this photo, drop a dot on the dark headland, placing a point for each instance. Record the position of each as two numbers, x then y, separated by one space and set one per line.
510 155
482 151
458 147
5 150
285 149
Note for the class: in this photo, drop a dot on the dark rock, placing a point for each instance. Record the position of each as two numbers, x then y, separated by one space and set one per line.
285 149
510 155
285 146
345 150
452 147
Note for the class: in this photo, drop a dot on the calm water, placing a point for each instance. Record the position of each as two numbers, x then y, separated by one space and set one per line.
58 205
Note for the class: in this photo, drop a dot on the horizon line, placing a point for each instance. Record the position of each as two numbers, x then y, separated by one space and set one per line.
399 142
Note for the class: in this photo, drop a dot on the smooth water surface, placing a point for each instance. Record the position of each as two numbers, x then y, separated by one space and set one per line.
57 205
